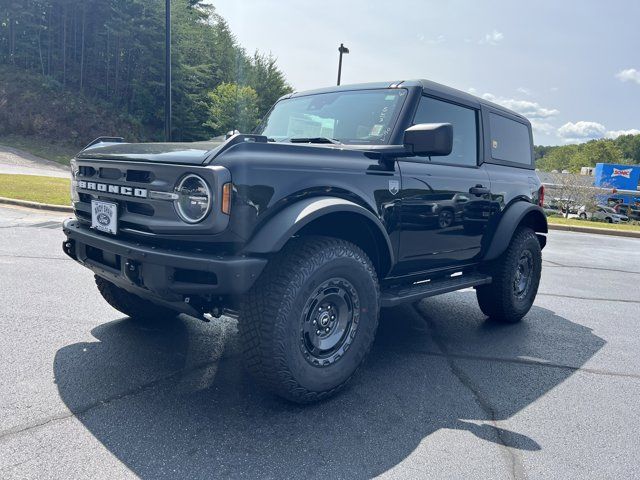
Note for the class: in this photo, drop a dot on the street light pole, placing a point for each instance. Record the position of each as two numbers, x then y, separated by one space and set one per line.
342 49
167 73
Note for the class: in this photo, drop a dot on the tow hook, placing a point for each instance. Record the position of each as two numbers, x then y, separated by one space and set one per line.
132 271
69 247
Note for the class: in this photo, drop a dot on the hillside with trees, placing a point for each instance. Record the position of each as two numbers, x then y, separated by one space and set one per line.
623 150
96 67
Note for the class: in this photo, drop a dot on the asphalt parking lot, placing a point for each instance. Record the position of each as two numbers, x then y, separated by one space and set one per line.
86 393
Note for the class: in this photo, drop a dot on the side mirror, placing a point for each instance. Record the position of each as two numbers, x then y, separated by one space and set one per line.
432 139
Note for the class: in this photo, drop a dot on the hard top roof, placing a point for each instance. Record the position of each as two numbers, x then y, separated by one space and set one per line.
428 86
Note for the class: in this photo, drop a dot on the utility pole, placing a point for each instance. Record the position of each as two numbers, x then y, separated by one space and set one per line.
342 49
167 73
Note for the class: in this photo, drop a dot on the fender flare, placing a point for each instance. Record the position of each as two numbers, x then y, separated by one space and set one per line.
273 235
509 221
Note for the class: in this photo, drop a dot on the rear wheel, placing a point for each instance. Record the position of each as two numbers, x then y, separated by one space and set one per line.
516 276
583 216
131 305
609 220
310 320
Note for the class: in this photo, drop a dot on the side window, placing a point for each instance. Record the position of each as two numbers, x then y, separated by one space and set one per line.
510 140
465 130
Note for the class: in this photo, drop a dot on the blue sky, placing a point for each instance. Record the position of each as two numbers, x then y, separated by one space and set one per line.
572 67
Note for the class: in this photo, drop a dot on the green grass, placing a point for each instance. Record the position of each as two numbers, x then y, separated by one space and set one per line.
55 191
588 223
58 152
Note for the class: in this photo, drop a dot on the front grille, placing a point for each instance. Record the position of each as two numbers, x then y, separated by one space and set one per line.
86 171
140 176
141 215
110 173
140 208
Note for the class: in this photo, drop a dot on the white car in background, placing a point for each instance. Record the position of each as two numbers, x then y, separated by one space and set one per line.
602 213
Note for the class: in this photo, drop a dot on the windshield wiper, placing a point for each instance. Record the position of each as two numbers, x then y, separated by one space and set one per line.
314 140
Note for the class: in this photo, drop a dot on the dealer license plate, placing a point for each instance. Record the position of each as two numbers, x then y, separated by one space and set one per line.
104 216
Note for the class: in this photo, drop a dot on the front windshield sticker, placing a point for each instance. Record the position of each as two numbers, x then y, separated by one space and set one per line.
377 130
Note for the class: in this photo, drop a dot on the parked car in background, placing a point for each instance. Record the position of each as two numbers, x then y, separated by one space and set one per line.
602 213
630 211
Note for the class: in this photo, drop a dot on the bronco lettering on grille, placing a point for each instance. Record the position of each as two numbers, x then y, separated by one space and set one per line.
117 189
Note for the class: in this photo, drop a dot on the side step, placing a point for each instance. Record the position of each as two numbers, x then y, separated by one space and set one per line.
397 295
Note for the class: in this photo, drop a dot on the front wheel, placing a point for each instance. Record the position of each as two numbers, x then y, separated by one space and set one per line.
310 320
516 276
445 218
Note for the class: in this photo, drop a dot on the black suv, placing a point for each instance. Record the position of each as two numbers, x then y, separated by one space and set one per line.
344 201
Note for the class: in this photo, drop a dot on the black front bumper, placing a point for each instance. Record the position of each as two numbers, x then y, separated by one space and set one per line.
156 273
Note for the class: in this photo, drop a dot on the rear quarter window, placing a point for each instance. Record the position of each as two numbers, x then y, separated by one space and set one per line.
510 140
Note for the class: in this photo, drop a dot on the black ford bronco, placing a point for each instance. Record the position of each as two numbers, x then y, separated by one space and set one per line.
344 201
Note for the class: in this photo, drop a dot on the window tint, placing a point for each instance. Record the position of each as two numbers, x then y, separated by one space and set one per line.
510 140
465 137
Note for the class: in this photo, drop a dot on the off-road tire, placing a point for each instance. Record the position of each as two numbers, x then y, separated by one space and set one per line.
498 300
131 305
273 316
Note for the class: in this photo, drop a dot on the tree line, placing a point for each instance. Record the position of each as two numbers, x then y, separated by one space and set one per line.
113 51
623 150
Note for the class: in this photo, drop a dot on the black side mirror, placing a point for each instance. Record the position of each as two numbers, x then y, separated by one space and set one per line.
432 139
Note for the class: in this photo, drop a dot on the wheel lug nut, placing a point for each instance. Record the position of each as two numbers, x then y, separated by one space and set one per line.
314 322
317 332
326 330
333 317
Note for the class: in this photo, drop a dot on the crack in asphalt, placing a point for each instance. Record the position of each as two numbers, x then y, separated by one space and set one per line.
576 297
527 362
614 270
512 457
33 257
76 412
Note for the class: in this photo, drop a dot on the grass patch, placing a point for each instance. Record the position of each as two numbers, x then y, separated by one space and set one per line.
588 223
55 191
41 147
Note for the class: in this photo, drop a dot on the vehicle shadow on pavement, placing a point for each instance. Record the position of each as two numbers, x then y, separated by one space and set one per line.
172 400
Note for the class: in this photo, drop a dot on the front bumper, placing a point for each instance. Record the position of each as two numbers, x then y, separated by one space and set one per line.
156 273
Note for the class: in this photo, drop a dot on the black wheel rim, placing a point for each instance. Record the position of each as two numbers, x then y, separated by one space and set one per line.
329 322
446 218
524 274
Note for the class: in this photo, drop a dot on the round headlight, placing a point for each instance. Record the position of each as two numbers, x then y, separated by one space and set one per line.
194 198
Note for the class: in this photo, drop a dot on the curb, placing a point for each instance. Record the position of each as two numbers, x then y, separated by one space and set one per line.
597 231
39 206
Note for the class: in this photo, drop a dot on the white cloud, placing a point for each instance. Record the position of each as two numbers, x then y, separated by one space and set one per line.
431 41
524 107
618 133
493 38
629 75
542 127
581 131
524 91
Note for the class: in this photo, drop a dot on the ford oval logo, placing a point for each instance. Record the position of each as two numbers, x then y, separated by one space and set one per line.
104 219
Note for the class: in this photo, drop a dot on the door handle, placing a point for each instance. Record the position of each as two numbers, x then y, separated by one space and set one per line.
479 190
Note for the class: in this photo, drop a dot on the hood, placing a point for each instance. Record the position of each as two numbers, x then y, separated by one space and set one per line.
188 153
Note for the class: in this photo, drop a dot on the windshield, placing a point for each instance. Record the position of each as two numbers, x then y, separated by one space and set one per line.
608 209
357 116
